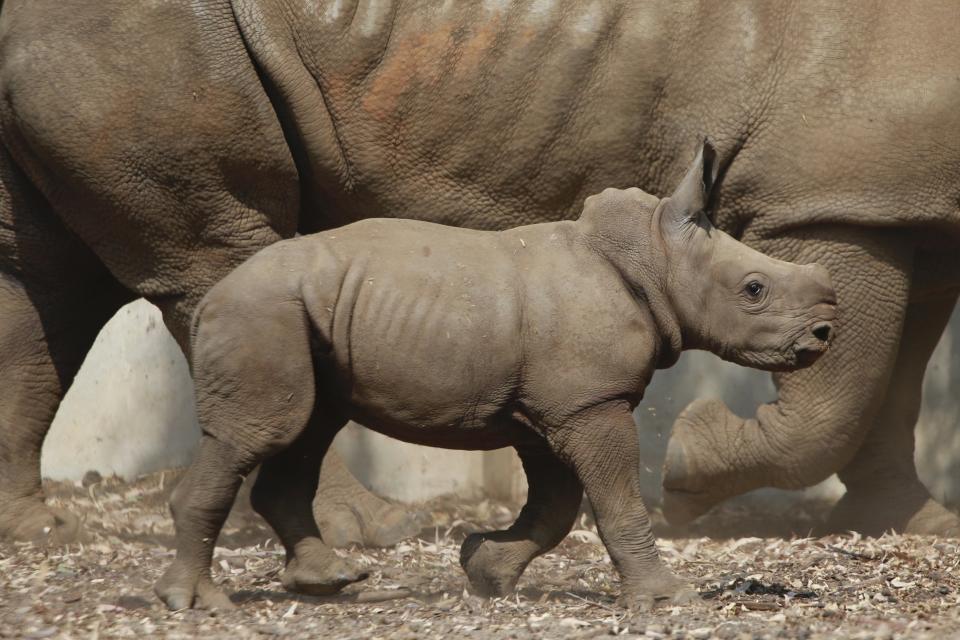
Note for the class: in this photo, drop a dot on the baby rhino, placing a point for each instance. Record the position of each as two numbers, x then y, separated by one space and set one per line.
541 338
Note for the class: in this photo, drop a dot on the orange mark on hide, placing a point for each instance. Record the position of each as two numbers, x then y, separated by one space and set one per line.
529 34
477 44
415 62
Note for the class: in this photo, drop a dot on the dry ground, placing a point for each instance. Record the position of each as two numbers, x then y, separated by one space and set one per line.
795 587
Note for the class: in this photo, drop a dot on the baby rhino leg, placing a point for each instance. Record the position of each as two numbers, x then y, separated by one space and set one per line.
255 396
200 504
602 446
494 561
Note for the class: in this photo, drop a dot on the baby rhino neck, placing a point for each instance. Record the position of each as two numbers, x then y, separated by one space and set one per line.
627 236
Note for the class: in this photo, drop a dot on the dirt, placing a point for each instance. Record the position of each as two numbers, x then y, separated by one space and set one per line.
773 587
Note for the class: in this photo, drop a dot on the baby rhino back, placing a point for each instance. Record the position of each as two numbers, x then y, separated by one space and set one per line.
425 327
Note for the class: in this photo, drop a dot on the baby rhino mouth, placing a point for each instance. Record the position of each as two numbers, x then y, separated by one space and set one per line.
813 344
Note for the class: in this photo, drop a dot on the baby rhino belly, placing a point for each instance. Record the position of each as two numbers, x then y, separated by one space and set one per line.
433 370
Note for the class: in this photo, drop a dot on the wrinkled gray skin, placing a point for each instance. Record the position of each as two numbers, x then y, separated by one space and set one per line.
149 148
542 338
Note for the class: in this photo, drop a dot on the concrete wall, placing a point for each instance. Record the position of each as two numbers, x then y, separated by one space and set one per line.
130 411
130 408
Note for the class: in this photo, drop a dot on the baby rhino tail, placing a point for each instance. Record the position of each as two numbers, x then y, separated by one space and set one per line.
251 339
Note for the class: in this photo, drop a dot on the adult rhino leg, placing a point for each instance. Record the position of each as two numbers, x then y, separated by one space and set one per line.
495 560
822 413
883 490
348 513
54 298
43 340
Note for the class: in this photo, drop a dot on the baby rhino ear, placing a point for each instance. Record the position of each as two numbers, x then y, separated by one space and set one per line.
693 193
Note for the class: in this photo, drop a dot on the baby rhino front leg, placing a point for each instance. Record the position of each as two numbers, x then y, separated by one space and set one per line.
602 447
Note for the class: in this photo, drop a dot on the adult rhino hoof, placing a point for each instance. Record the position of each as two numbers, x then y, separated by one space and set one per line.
933 519
368 521
900 509
308 582
680 508
39 523
685 493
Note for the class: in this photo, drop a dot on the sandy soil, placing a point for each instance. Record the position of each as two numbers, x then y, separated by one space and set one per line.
774 587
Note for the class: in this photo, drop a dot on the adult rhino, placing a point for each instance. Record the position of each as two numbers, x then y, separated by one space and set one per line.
148 148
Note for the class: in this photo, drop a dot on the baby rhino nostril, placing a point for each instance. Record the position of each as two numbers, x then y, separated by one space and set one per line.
822 331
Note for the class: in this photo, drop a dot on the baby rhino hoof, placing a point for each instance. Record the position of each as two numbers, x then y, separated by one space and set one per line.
668 590
180 591
318 576
489 570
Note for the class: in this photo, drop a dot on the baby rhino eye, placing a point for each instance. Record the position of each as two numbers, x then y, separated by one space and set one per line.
753 289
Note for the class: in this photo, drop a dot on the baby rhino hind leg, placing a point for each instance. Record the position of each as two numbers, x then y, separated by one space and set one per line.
283 494
200 504
255 398
495 560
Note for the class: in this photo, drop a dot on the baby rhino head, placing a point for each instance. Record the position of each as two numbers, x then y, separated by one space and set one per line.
743 305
